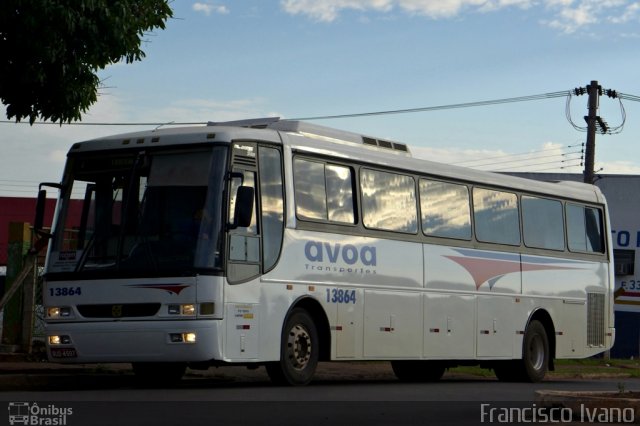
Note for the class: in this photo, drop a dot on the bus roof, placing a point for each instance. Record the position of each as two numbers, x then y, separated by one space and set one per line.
314 139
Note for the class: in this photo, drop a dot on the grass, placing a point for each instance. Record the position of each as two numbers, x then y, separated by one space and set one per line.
597 366
586 368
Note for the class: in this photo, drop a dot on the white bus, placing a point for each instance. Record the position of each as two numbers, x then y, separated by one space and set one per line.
283 243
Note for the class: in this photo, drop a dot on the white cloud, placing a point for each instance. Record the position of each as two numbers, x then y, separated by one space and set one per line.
630 13
203 110
329 10
618 167
567 16
58 156
33 154
209 8
492 5
570 18
550 157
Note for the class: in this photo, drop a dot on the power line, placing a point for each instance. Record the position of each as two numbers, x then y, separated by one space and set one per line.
85 123
536 158
442 107
528 98
634 98
516 155
535 164
561 168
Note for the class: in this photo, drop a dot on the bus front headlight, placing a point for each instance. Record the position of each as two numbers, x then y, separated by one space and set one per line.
57 312
184 310
187 337
59 340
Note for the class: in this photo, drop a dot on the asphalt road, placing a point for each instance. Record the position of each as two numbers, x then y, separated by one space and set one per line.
377 399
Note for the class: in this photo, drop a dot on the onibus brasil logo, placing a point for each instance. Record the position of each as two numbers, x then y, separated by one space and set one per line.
32 414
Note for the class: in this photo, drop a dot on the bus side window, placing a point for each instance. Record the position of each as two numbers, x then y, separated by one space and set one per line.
593 220
324 192
272 200
249 180
496 216
244 244
542 223
446 211
310 191
388 201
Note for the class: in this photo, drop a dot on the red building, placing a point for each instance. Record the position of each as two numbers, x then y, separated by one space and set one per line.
21 209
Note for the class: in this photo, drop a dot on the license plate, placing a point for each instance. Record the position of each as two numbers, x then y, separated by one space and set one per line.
64 353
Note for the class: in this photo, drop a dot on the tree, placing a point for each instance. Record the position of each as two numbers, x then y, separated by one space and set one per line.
51 51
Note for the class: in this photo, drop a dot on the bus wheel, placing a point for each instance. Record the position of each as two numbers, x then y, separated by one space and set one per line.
535 353
535 358
418 371
299 351
159 373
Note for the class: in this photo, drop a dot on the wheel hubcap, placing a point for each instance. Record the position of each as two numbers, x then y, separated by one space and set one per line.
299 345
536 352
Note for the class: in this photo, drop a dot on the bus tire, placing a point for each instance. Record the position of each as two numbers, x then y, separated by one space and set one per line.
159 373
418 371
535 358
535 353
299 351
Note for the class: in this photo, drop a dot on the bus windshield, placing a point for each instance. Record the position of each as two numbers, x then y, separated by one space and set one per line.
140 214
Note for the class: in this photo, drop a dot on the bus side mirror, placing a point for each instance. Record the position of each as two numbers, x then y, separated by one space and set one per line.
243 212
38 223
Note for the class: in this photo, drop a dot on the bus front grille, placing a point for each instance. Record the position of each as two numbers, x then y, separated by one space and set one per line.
595 319
125 310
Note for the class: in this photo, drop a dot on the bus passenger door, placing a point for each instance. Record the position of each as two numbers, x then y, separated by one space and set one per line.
243 258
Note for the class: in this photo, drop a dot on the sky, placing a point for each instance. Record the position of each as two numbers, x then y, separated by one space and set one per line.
224 60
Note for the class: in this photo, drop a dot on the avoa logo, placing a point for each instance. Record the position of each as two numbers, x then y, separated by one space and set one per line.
316 251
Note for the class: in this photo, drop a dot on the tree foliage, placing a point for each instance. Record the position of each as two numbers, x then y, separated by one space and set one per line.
51 51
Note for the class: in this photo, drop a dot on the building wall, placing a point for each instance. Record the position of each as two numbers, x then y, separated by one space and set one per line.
21 209
18 209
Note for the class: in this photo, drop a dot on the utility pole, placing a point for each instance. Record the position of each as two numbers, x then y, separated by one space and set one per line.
593 90
595 124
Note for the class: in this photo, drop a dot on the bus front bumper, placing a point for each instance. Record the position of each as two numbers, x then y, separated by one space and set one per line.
135 341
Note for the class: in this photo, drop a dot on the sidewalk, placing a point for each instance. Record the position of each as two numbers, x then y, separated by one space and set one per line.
21 372
20 368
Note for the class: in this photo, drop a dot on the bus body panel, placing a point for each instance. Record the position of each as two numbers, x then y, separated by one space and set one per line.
450 325
324 258
567 278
